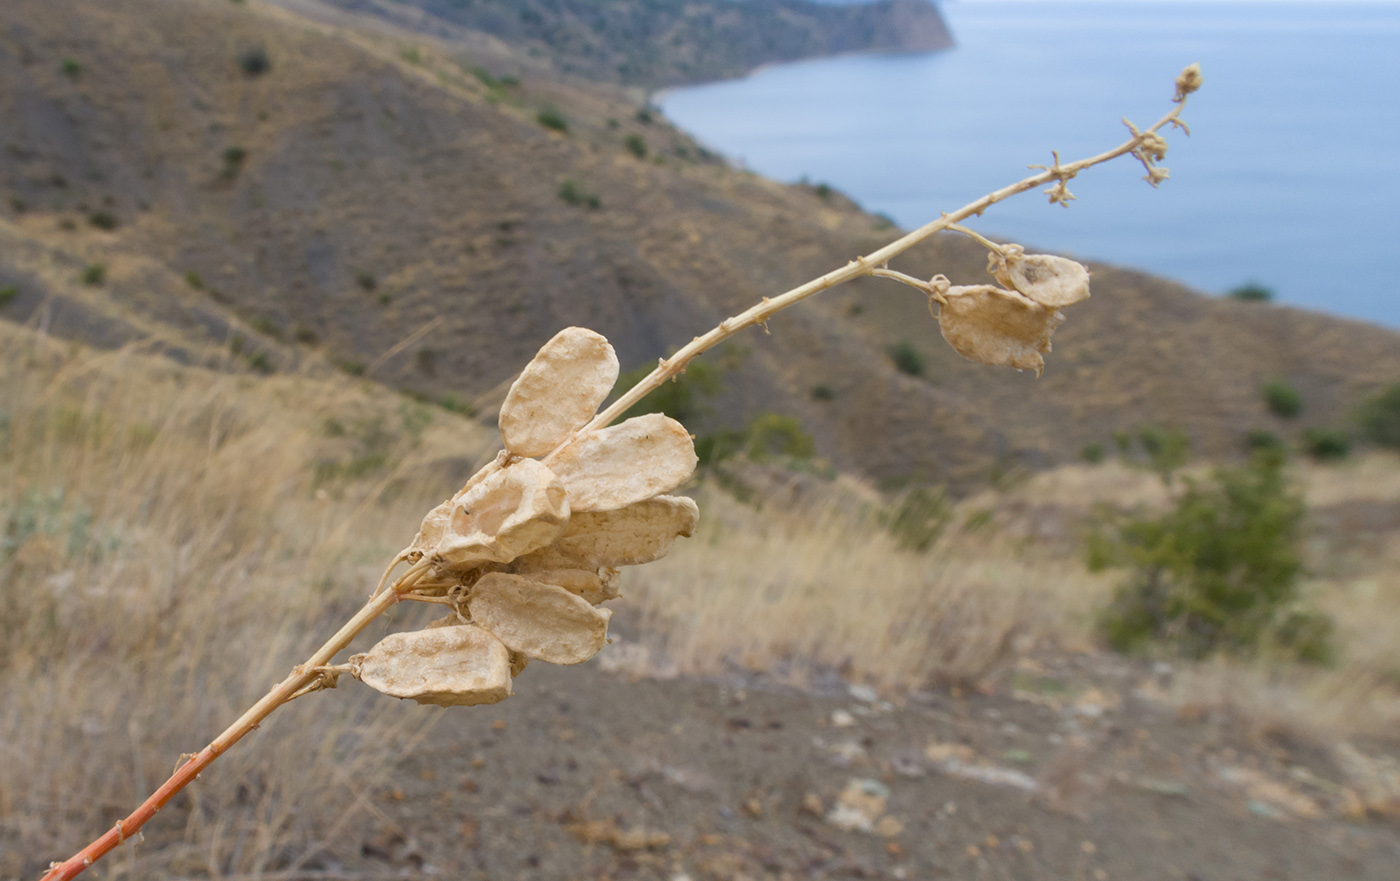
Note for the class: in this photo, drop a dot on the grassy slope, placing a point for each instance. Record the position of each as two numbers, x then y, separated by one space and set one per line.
445 190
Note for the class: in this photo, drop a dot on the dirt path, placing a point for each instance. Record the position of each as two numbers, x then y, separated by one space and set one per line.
585 774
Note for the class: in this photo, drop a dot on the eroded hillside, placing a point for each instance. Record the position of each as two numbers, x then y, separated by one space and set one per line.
317 195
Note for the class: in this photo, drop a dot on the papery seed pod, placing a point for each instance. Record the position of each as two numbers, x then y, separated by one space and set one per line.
614 467
558 392
1002 328
1048 280
596 586
541 620
516 510
639 533
459 665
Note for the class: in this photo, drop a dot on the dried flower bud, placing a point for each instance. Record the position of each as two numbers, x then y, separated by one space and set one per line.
558 392
1048 280
614 467
541 620
993 326
514 511
447 666
1188 81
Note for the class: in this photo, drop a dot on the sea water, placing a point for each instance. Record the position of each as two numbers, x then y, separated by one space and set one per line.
1290 179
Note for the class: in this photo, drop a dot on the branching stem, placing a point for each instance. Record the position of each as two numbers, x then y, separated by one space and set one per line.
871 264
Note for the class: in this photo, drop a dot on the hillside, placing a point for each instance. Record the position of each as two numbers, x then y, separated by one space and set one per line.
321 208
655 43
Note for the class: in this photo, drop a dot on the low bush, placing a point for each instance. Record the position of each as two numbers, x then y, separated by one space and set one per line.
1283 399
94 274
572 192
1252 293
1380 417
772 434
254 61
1092 453
8 293
551 118
1217 573
104 220
918 517
906 358
1326 444
636 145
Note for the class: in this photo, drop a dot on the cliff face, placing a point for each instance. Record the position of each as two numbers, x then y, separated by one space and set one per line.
653 43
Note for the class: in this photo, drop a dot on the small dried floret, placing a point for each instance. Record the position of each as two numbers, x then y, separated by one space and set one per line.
558 392
1048 280
459 665
543 621
1188 81
993 326
516 510
614 467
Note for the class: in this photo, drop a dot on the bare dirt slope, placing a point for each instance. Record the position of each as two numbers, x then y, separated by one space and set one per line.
1063 774
365 184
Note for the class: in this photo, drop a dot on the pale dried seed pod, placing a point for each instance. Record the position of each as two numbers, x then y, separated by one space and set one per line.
1051 281
518 509
639 533
558 392
595 585
543 621
992 326
455 665
614 467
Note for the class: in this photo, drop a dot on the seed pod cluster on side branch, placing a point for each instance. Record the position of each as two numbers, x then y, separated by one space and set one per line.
527 551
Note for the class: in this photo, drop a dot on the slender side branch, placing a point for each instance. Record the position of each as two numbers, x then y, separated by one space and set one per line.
301 677
670 367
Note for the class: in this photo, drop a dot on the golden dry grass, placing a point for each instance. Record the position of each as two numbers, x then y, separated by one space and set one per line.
167 556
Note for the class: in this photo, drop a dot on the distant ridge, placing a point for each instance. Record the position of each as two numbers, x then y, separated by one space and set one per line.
655 43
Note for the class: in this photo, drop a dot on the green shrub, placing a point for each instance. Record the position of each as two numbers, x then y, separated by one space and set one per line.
94 274
194 280
254 61
771 434
233 161
8 293
18 205
1217 573
636 145
644 116
1380 417
572 192
1262 439
104 220
682 399
354 368
823 392
1167 449
71 68
551 118
1283 399
1326 444
906 358
411 55
1092 453
454 404
1252 293
260 363
918 517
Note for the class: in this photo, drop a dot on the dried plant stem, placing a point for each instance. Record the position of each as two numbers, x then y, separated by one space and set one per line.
302 677
871 264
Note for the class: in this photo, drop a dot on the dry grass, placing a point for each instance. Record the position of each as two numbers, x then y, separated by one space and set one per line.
825 586
166 555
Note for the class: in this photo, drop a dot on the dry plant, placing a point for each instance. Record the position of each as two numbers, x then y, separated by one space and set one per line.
521 557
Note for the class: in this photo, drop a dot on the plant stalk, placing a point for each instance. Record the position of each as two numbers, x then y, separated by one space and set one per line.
301 676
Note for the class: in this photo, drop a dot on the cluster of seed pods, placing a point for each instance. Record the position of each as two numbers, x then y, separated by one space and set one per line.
1010 325
529 549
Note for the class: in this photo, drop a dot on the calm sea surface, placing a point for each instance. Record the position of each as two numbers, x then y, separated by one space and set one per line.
1291 177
